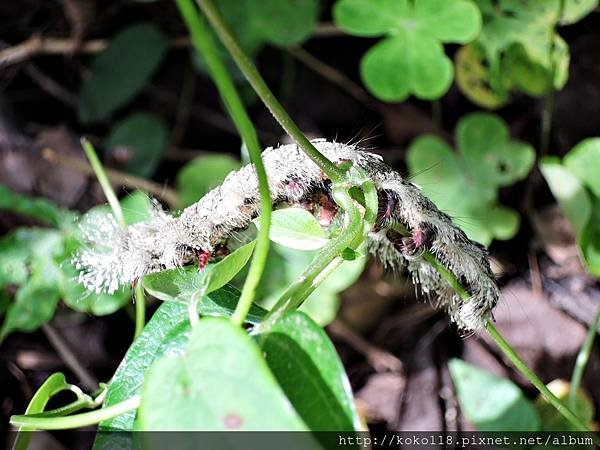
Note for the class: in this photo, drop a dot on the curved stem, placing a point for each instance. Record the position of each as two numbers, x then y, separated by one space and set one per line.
260 87
88 148
582 358
203 42
140 309
504 346
77 420
532 377
296 293
83 401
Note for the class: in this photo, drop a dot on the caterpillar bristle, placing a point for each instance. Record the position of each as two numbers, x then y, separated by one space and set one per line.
112 256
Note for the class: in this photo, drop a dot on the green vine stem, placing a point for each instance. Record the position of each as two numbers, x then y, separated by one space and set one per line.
203 42
113 201
328 259
83 401
39 422
292 297
92 157
539 384
582 359
330 252
248 68
140 309
504 346
369 201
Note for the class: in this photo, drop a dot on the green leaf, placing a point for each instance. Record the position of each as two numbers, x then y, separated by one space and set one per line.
504 222
583 161
568 182
575 10
411 59
208 287
589 239
491 403
136 207
285 265
307 367
221 383
474 77
272 21
568 190
14 254
484 141
34 304
449 21
142 138
184 284
221 302
165 334
554 421
350 16
39 209
521 73
296 228
488 159
201 175
284 23
121 71
521 48
78 298
54 384
391 69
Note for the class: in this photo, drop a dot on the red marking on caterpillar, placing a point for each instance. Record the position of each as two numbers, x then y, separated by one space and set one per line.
112 256
202 259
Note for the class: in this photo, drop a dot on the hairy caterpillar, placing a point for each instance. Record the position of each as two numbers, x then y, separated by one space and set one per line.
113 256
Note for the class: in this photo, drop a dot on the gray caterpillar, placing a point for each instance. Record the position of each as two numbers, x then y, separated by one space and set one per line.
113 256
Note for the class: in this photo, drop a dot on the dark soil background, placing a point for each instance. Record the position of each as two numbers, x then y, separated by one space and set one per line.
394 347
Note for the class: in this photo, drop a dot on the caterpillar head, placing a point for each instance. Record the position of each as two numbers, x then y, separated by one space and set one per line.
112 256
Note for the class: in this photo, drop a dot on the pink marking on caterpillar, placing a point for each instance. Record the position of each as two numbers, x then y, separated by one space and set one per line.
202 259
114 257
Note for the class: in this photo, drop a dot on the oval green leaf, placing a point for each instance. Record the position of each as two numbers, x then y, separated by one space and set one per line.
201 175
583 161
121 71
141 138
166 333
308 368
572 197
182 284
492 403
296 228
221 383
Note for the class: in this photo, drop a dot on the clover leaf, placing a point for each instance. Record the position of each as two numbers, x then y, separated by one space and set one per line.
465 184
518 49
258 22
410 59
